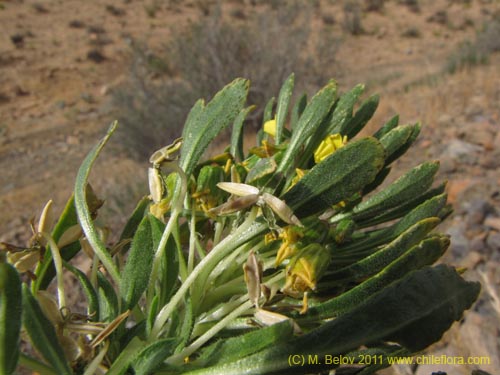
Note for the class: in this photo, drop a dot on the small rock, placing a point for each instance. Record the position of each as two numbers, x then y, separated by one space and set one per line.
18 40
463 152
493 222
472 259
493 241
456 187
72 140
447 165
115 11
60 104
92 29
445 120
40 8
20 91
96 56
490 160
88 98
459 243
477 244
76 24
476 211
440 17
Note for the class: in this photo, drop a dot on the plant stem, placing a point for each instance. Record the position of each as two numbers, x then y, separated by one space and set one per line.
56 255
192 241
92 367
159 253
203 268
178 358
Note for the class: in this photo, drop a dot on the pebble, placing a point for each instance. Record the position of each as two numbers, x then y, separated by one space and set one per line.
493 241
493 222
476 211
462 151
459 243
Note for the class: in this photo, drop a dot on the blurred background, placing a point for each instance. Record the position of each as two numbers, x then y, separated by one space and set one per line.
68 68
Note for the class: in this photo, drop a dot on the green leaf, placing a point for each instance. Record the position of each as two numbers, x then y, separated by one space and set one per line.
345 171
282 107
204 123
152 356
430 208
342 112
10 317
234 348
108 301
387 127
169 266
361 118
297 111
42 333
45 270
395 139
125 358
398 153
308 124
380 259
88 290
237 134
408 186
423 254
136 273
404 208
134 220
413 312
82 208
184 332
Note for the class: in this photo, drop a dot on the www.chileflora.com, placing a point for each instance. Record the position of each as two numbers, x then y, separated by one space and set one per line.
362 359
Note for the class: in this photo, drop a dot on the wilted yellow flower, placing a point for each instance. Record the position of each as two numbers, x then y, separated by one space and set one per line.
305 269
270 127
299 173
329 145
290 236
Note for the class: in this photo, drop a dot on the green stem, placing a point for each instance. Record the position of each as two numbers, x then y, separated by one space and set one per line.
92 367
178 358
192 241
203 268
56 255
159 253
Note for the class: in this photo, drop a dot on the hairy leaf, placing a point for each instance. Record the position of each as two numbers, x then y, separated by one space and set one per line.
42 334
10 317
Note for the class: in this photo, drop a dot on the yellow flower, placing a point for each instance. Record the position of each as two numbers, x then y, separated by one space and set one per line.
299 173
270 127
290 236
305 269
328 146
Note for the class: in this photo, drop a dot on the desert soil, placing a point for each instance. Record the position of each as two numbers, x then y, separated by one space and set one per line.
61 59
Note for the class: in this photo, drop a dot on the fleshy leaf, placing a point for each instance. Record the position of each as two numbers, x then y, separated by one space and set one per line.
282 107
308 123
88 290
345 171
83 211
204 123
42 334
10 317
136 273
413 312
